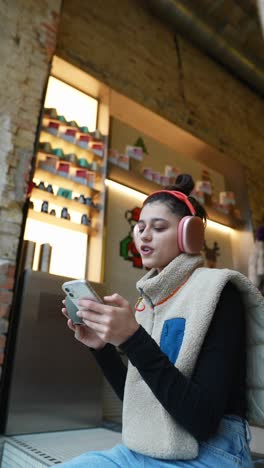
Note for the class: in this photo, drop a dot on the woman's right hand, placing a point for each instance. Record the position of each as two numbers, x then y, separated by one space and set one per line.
82 333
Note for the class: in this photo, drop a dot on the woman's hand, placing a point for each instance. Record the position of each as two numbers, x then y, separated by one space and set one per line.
85 335
113 322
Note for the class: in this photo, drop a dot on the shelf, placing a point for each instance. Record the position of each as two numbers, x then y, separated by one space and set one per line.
64 182
61 201
59 222
137 182
42 155
69 147
131 179
62 124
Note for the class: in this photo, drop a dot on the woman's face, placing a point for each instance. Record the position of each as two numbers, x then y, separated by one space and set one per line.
156 235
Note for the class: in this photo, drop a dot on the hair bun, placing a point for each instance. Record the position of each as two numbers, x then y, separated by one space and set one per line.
184 183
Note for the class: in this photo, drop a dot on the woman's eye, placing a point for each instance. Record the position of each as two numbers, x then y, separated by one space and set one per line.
159 228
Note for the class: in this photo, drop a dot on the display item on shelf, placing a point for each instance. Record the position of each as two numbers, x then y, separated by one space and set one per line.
45 206
85 220
123 161
164 180
64 213
69 135
52 127
204 186
49 188
62 119
94 166
51 112
41 186
63 192
113 156
53 212
227 198
97 148
71 157
172 172
80 176
98 206
83 141
89 201
97 135
63 168
81 199
198 195
147 173
58 152
134 152
45 147
44 257
156 177
82 162
51 161
73 123
91 179
27 254
84 129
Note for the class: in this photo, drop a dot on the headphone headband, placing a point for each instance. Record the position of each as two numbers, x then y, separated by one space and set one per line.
179 195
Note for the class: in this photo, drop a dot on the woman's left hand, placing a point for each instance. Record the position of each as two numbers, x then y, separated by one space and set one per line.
114 322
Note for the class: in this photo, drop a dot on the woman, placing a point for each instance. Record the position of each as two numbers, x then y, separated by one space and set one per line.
184 393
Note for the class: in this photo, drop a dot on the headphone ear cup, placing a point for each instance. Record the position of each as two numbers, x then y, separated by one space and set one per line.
191 234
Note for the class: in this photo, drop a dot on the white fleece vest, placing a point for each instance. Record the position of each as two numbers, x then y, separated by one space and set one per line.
147 426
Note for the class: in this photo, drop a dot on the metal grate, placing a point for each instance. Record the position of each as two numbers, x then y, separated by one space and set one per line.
46 449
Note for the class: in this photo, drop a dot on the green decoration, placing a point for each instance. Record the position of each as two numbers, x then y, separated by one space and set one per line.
141 144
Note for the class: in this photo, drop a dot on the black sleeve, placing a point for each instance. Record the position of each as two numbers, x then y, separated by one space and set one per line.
197 403
112 367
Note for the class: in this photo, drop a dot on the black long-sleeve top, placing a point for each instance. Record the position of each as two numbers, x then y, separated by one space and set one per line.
217 385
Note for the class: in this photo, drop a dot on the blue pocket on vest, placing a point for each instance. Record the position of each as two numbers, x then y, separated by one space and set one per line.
171 337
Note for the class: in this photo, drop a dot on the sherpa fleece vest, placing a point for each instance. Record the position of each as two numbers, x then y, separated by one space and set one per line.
179 304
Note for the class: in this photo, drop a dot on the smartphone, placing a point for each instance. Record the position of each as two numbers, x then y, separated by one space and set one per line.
72 312
78 289
75 290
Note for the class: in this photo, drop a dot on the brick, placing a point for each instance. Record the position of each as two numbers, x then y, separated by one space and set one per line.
3 267
7 283
11 270
135 54
5 297
2 341
4 312
2 356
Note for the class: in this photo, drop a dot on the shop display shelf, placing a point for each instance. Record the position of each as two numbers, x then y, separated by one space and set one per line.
61 201
136 181
59 222
68 146
60 181
65 125
41 155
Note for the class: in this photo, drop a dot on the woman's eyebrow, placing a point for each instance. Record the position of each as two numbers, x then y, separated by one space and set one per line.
153 220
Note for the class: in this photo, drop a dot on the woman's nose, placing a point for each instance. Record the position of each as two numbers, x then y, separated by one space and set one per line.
146 234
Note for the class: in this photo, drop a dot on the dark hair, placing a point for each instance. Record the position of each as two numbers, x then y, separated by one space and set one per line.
184 183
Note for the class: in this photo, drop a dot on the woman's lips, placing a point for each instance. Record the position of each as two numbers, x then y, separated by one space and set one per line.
145 250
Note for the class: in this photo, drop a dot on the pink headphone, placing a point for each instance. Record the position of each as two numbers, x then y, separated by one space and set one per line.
190 235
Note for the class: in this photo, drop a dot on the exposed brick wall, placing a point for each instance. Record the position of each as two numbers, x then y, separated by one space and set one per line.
7 271
28 34
134 53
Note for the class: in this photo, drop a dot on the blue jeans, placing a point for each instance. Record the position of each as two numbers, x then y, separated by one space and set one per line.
227 449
